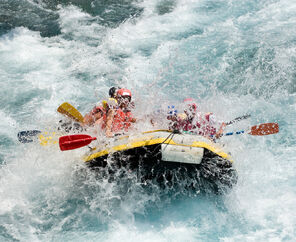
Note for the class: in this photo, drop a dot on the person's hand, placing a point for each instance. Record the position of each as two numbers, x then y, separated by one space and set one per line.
99 122
87 120
109 134
218 135
220 132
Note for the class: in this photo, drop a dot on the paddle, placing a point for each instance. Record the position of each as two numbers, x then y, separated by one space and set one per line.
71 142
238 119
260 130
27 136
71 112
67 109
45 138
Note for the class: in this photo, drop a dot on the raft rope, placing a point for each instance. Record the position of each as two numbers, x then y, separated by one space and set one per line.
175 131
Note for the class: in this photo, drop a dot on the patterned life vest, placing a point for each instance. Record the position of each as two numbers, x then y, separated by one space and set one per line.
200 124
204 125
121 121
186 125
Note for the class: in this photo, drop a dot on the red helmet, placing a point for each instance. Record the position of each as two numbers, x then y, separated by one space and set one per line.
123 92
189 102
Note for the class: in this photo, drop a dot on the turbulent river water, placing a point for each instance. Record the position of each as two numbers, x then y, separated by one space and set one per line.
233 57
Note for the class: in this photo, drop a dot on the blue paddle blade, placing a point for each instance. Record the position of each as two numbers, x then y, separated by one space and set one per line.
27 136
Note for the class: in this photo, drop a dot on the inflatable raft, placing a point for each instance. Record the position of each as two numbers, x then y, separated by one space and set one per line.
167 157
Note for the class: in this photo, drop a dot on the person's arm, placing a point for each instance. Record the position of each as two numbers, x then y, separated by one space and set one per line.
213 122
109 121
91 117
220 131
88 119
99 121
98 116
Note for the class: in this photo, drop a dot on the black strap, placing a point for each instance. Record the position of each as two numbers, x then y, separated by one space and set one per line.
175 131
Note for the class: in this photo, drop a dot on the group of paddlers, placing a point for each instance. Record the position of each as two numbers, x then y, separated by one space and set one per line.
114 116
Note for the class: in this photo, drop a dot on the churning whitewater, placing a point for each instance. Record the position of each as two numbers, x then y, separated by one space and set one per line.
232 57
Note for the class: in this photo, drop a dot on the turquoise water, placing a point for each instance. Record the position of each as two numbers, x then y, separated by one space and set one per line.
233 57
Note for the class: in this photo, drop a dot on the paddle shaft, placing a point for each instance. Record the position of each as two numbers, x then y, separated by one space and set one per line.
238 119
232 133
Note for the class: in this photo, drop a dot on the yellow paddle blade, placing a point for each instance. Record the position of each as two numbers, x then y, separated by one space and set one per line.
71 112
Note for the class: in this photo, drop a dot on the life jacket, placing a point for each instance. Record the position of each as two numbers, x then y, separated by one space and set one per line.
128 120
186 125
204 125
199 124
121 121
103 106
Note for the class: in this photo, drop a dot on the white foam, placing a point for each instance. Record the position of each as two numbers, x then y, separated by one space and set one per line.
153 57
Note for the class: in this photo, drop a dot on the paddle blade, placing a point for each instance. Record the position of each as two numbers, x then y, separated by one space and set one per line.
68 110
27 136
265 129
71 142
